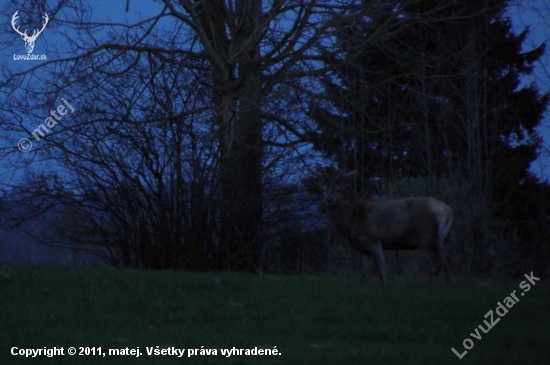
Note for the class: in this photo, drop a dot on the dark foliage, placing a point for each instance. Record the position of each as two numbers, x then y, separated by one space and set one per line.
433 89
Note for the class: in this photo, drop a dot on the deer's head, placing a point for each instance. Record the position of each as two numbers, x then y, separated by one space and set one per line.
332 186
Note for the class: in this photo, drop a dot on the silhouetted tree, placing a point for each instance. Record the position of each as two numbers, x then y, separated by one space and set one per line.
437 93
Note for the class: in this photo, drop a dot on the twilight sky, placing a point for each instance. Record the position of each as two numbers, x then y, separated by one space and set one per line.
535 14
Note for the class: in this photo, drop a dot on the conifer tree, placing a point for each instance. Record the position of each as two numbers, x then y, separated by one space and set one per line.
432 89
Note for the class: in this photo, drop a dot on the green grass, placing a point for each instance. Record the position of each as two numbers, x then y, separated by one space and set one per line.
311 320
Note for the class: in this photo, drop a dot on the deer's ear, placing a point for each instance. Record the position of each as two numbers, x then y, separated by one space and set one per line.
345 183
350 175
347 179
319 182
316 174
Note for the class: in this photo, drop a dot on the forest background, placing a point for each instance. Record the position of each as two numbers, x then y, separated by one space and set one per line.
194 121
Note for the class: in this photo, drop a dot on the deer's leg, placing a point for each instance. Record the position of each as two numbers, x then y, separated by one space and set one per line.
435 264
376 251
445 259
364 268
442 252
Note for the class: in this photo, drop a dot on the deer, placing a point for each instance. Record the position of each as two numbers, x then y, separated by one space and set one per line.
374 226
29 40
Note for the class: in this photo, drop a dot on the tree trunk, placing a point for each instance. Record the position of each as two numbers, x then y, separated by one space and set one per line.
237 96
241 186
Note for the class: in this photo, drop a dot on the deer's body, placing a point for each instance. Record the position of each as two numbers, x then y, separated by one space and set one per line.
403 224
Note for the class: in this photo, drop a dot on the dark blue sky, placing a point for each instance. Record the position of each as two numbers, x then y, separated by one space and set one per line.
534 14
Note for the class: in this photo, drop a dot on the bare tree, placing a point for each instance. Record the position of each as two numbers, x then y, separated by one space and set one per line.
237 51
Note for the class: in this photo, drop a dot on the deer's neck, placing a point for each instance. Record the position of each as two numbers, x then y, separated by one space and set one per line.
341 217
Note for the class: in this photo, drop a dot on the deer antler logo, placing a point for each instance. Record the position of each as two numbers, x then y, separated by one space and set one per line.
29 40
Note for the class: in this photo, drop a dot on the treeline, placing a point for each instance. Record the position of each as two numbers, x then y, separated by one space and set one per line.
187 149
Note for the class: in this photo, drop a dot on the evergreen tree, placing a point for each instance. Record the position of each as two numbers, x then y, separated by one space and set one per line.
410 81
433 88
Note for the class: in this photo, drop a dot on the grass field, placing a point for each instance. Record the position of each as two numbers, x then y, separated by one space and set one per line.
310 320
